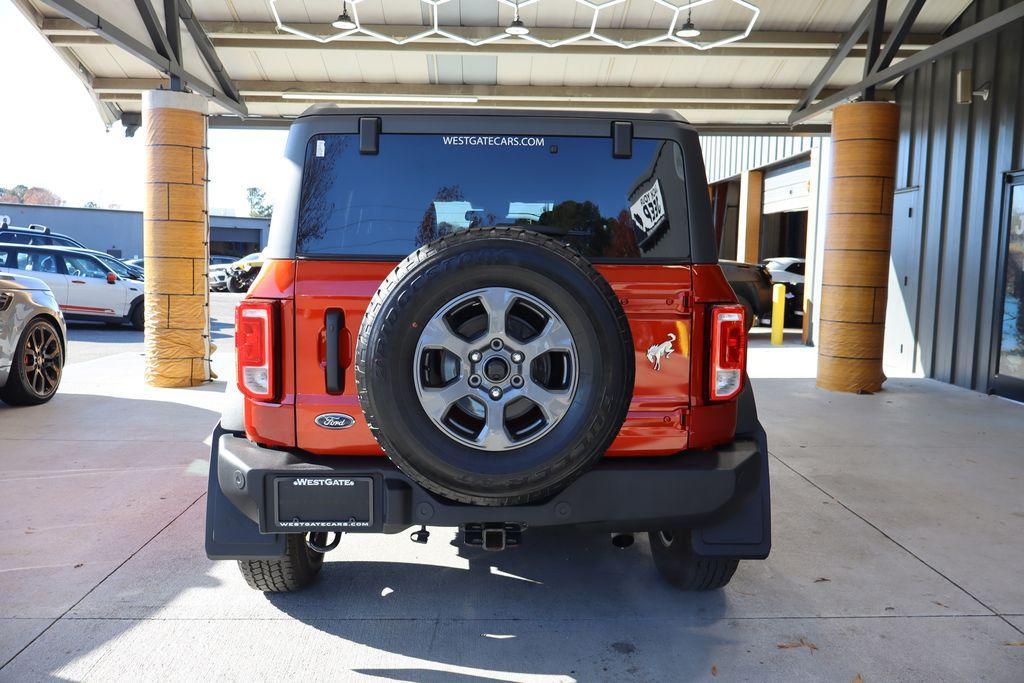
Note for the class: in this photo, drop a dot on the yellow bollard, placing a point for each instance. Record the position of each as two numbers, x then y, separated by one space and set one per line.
778 312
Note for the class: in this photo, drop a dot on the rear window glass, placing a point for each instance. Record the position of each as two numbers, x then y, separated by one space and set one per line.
36 261
21 238
421 187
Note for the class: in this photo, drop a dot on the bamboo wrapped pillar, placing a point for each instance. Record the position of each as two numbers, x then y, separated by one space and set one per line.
175 237
855 272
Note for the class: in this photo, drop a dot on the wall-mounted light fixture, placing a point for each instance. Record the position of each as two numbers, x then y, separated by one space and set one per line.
965 91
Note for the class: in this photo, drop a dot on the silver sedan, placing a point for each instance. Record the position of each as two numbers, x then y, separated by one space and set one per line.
33 339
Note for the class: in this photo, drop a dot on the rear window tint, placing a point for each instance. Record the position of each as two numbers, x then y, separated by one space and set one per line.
421 187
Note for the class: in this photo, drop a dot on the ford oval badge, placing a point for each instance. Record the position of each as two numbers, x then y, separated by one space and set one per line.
335 420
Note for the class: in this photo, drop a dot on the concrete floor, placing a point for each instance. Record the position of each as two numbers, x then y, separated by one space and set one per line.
897 554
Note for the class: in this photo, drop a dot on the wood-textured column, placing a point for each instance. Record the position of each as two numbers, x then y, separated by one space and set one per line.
856 266
175 239
748 231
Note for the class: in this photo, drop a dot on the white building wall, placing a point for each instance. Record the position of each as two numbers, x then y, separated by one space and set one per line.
727 156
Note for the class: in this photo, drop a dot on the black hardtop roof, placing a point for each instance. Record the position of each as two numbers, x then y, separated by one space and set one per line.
662 115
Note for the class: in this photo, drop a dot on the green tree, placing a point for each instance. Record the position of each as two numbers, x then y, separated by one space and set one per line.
258 206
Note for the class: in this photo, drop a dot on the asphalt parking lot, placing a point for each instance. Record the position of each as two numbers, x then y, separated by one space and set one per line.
897 554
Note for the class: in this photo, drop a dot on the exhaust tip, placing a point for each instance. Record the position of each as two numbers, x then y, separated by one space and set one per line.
622 541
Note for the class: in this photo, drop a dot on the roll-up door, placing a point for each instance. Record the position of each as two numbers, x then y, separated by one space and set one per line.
788 188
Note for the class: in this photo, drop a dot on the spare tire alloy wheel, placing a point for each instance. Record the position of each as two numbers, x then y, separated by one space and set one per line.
501 388
494 366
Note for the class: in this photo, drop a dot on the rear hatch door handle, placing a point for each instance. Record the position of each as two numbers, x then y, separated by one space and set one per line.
334 324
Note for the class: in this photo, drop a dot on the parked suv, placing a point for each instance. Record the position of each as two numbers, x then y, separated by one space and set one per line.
491 321
753 286
36 234
86 288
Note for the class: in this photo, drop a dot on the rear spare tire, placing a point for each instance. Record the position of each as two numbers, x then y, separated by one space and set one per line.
494 366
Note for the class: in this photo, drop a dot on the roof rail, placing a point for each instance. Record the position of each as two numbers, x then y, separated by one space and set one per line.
40 228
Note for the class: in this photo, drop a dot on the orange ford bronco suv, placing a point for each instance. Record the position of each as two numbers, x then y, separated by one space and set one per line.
490 321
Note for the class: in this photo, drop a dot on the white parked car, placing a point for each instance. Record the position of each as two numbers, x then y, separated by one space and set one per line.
85 287
789 270
219 272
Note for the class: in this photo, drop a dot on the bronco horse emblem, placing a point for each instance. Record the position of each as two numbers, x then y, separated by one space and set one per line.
659 351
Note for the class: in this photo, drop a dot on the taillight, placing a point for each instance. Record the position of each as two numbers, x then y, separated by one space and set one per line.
255 328
728 351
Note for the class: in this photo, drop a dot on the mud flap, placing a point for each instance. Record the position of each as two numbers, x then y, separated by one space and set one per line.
230 535
747 533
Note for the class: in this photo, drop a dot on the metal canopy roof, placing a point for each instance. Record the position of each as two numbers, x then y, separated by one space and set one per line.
233 51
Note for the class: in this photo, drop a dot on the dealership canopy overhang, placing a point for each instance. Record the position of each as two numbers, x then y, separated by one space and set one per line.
236 53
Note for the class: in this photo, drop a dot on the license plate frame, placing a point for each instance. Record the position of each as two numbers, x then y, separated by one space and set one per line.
306 503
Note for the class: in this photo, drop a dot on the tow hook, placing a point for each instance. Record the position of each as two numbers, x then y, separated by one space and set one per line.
493 536
420 536
317 541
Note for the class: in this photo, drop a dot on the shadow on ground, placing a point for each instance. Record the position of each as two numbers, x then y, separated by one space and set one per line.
558 605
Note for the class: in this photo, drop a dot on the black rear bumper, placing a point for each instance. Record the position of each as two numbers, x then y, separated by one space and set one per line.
722 496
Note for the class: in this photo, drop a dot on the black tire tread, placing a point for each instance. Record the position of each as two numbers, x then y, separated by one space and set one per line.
680 567
295 571
414 261
137 318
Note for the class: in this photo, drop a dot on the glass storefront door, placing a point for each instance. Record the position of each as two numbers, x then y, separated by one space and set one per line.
1008 375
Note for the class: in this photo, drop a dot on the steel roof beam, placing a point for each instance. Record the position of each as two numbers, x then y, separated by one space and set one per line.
971 34
263 33
850 39
137 48
649 95
592 103
875 28
155 29
206 49
899 35
173 37
582 49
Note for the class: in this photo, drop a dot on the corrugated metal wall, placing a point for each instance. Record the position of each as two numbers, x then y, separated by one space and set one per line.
957 155
728 155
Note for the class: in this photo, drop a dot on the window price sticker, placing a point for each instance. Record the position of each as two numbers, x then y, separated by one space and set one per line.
649 210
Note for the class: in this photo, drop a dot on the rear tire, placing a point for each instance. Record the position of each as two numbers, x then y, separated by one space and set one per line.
749 312
137 317
677 564
37 365
296 570
237 286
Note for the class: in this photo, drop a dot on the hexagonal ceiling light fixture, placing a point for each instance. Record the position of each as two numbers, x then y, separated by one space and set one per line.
680 33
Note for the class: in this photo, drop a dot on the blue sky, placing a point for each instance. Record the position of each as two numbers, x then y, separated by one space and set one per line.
52 136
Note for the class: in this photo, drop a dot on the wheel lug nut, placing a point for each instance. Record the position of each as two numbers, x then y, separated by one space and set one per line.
475 357
495 393
517 357
474 380
517 381
497 344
